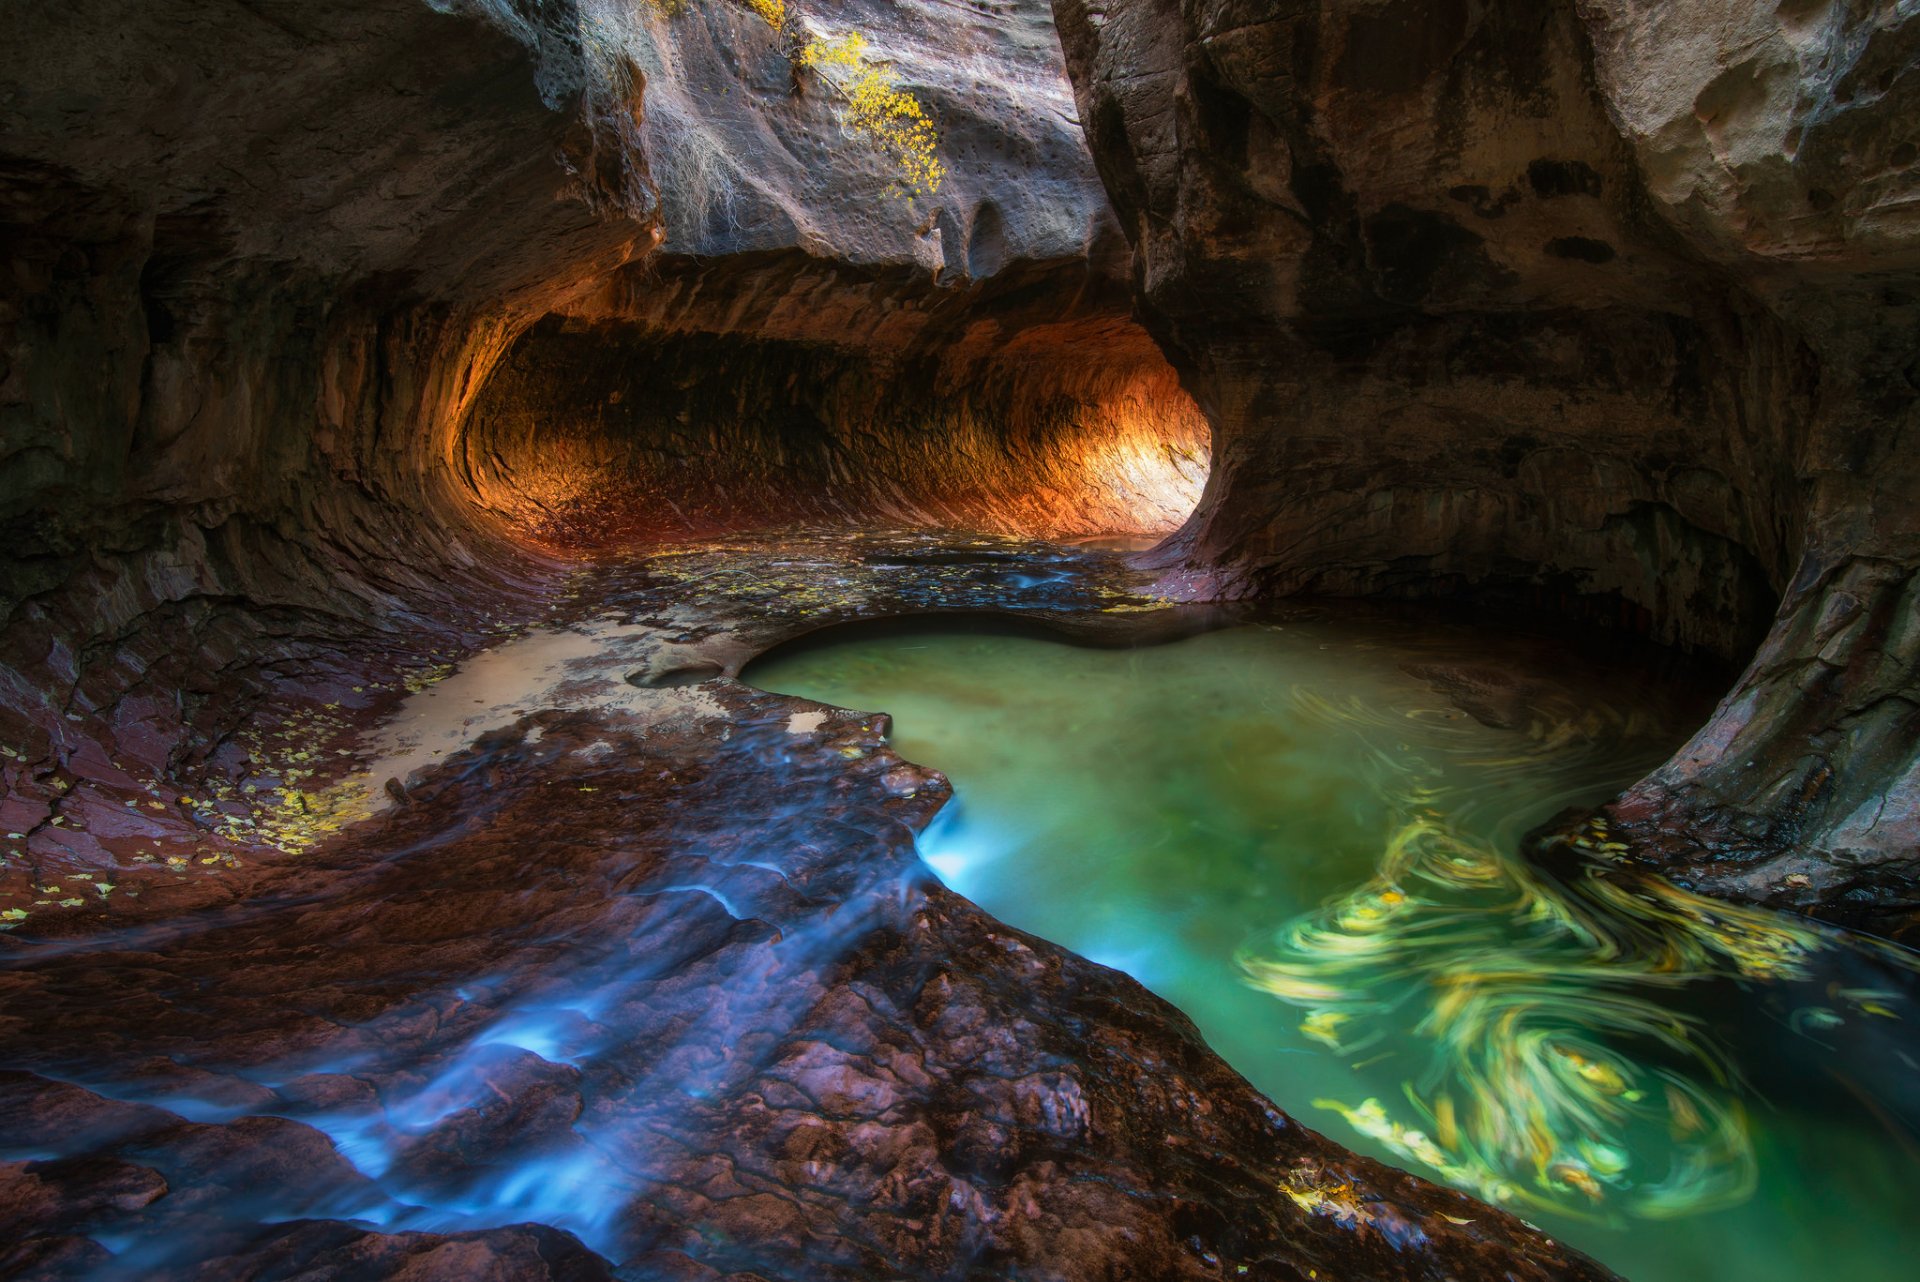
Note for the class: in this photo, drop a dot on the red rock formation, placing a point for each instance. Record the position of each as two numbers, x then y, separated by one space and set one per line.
772 1049
280 408
261 273
304 303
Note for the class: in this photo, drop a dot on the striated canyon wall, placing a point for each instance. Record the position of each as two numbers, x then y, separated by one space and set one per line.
811 344
262 266
1606 308
1028 403
332 338
329 338
257 259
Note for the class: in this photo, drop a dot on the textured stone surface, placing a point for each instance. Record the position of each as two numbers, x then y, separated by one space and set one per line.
1783 133
801 1060
1606 307
253 257
1784 144
260 270
658 967
750 158
811 344
1028 404
1479 297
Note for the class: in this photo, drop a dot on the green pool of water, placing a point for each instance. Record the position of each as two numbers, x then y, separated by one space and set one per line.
1303 835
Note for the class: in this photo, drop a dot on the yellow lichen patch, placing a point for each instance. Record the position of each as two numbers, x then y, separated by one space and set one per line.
874 107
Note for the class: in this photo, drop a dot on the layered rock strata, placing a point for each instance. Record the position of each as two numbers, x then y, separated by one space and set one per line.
716 396
1604 308
262 272
292 295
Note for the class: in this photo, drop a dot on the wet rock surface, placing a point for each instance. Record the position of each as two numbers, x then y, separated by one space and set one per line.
250 261
652 981
126 819
239 369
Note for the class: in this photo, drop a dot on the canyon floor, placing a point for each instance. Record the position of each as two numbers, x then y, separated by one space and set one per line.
633 971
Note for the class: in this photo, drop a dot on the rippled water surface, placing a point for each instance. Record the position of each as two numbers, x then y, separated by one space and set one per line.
1302 834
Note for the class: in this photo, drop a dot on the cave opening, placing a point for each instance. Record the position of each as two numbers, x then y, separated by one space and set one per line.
1045 419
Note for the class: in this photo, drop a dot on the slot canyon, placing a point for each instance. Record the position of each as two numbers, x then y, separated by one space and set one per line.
959 639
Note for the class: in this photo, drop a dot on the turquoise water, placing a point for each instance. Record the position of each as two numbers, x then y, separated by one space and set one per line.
1303 834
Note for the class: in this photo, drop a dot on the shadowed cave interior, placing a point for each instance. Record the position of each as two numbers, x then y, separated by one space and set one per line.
1298 663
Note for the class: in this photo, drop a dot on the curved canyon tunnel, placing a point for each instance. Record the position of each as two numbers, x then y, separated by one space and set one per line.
417 413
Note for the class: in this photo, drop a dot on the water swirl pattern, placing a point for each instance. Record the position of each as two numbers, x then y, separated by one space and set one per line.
1306 835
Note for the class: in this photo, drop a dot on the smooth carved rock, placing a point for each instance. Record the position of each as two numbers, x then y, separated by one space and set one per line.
285 287
1783 132
1599 308
259 272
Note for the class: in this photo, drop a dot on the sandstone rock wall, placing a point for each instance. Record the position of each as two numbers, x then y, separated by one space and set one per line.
812 344
292 293
1602 306
1783 144
261 265
255 258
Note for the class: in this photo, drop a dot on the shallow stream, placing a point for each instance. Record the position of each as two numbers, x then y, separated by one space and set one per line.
1304 835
